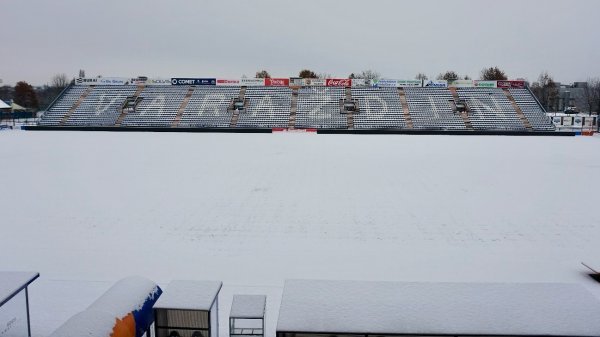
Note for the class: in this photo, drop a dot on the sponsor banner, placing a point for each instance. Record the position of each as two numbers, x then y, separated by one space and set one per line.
384 82
461 84
398 83
409 83
485 84
435 83
277 82
193 81
113 81
567 121
359 82
102 81
578 121
253 82
314 82
296 81
589 121
338 82
511 84
557 120
228 82
158 81
86 81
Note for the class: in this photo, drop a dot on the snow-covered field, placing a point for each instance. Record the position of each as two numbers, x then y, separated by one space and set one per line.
88 208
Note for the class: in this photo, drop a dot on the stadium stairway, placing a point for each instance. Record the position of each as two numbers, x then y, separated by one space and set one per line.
406 112
349 114
76 105
137 93
236 113
293 109
520 113
464 115
184 104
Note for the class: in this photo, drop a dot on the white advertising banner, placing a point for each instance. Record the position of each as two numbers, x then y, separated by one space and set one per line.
158 81
113 81
578 121
557 120
359 82
314 82
485 84
398 83
435 83
461 84
567 121
252 82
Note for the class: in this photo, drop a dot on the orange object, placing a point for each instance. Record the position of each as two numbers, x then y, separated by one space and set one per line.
124 327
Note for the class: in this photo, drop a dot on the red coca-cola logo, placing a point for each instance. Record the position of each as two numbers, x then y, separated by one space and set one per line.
277 82
338 82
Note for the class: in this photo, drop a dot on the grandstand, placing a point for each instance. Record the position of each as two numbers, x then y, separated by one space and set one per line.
331 104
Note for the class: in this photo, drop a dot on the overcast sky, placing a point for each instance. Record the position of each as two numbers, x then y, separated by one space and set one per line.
229 38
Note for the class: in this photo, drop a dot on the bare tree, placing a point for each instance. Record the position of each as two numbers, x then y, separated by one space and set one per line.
591 94
546 91
493 74
262 74
59 81
448 76
81 73
369 75
324 75
421 76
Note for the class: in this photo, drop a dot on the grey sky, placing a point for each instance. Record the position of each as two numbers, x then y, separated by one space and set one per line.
229 38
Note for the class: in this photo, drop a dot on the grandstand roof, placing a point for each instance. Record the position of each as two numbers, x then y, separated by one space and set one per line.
4 105
13 282
438 308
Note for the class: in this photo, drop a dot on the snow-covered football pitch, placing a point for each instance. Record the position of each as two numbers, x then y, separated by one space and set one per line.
88 208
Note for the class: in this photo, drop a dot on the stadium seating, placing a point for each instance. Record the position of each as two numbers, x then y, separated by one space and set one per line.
378 108
532 110
267 107
101 107
490 109
319 107
158 107
430 109
55 114
208 107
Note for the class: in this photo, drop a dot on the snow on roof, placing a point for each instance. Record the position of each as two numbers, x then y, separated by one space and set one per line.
88 323
248 306
13 282
189 295
4 105
125 296
558 309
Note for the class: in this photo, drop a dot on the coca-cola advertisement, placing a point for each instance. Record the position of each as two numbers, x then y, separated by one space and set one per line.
338 82
277 82
511 84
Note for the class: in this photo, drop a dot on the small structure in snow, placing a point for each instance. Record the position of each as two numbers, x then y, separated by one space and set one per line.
247 316
14 303
188 308
335 308
124 310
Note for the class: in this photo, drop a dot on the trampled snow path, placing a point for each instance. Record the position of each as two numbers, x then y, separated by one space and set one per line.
86 209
